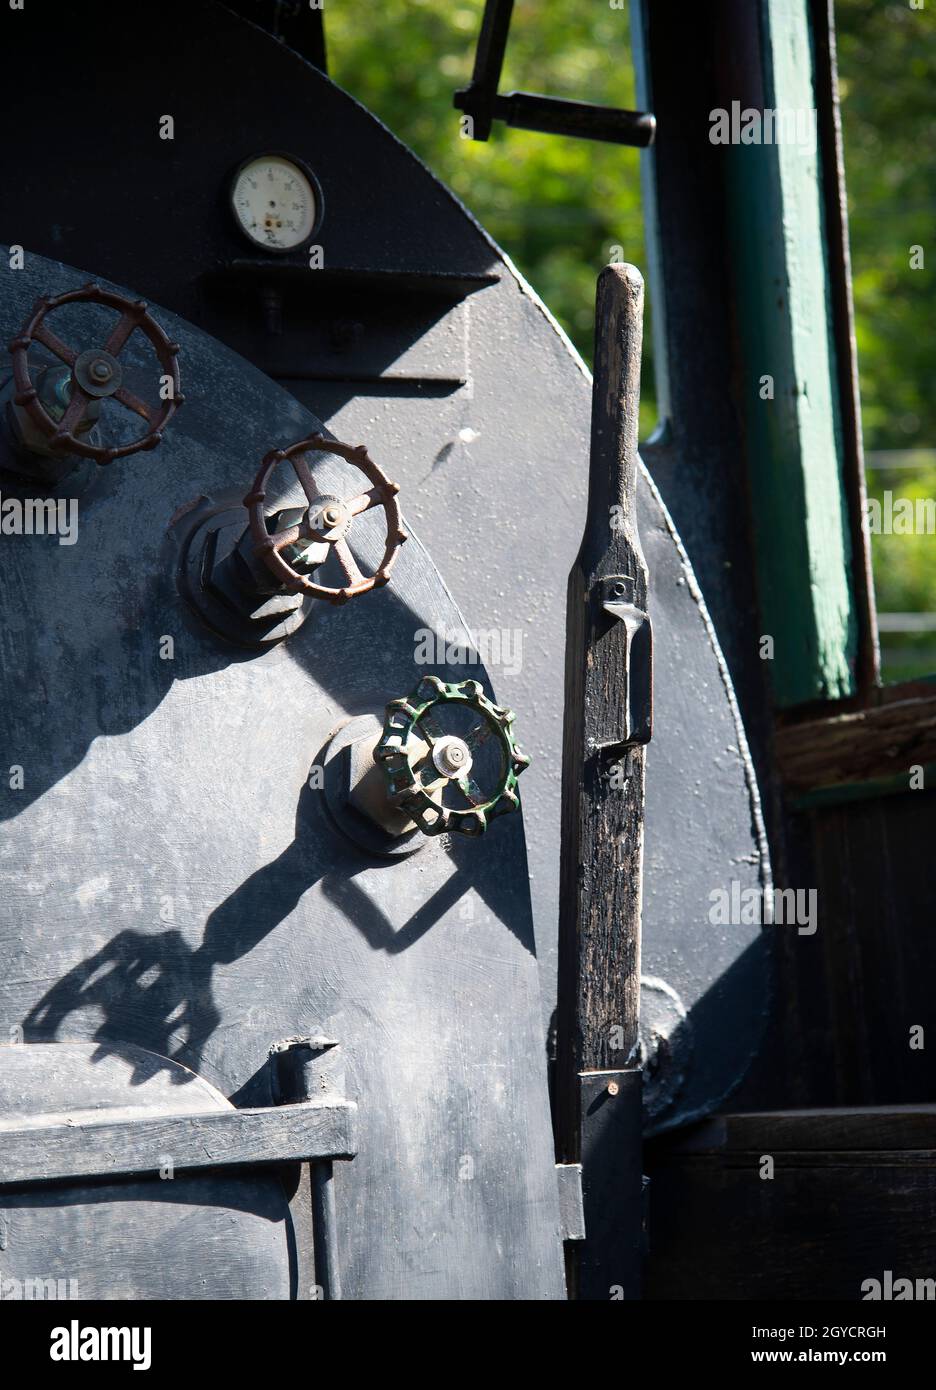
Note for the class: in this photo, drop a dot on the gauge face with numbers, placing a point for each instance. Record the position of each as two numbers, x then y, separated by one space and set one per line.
275 201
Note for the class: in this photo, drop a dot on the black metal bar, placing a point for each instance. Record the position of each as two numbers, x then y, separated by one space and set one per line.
302 1068
558 116
612 1185
530 110
91 1147
489 60
325 1228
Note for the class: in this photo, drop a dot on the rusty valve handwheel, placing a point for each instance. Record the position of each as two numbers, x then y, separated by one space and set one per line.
95 373
327 520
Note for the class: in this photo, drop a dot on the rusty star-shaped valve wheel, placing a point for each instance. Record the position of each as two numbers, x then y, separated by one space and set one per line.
96 374
327 522
449 757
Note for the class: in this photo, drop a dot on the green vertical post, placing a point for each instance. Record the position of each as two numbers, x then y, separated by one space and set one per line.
795 452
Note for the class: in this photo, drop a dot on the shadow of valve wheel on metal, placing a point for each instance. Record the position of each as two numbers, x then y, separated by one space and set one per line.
326 523
449 757
96 375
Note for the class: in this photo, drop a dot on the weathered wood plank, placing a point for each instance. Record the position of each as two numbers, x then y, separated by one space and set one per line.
603 776
607 719
884 740
145 1143
721 1233
862 1128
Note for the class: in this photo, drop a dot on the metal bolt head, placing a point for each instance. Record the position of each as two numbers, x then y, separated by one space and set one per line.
452 757
329 519
97 372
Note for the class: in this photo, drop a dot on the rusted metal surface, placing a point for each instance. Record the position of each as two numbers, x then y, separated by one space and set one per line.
327 520
95 373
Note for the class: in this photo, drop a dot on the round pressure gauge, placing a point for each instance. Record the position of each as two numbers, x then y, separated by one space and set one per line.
276 201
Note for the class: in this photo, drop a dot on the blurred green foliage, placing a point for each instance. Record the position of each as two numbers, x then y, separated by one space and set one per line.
559 206
556 206
904 568
887 65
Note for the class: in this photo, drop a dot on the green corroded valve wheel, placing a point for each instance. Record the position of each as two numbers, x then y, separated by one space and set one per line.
447 744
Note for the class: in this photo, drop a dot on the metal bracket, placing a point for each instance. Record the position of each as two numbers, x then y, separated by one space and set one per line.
612 1184
571 1208
532 111
635 710
304 1068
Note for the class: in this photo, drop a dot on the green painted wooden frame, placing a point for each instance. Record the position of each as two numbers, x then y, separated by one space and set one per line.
789 281
795 452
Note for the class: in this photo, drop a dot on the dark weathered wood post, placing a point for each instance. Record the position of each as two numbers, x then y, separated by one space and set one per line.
608 701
